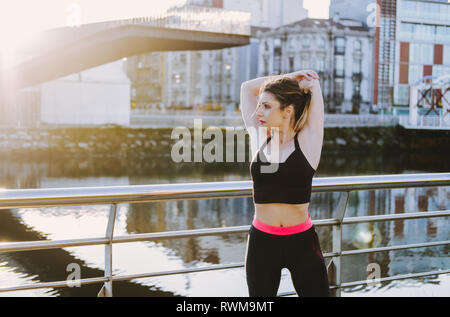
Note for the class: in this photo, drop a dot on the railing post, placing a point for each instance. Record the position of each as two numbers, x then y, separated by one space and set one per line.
335 268
107 289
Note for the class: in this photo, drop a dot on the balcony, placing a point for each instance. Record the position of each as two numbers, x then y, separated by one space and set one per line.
357 77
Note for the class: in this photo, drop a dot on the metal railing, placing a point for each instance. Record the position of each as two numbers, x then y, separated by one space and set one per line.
22 198
225 119
441 122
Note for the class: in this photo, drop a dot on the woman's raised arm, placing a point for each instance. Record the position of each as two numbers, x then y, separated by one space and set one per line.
250 90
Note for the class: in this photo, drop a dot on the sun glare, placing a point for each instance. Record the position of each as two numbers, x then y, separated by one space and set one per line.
21 20
317 9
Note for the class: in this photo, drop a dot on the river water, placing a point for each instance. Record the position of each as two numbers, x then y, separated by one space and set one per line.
54 223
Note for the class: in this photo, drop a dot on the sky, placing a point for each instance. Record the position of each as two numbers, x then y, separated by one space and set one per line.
43 14
20 19
317 9
26 17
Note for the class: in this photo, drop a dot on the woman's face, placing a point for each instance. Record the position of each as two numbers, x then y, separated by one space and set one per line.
268 113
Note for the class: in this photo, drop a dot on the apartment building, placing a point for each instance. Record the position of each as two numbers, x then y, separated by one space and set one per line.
339 50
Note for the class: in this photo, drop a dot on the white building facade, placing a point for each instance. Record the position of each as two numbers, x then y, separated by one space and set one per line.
100 95
211 80
341 52
422 44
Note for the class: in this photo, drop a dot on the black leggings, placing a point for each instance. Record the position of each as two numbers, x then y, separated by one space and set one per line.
300 253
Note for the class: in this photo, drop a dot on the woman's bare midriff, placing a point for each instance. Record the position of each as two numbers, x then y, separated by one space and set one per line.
282 215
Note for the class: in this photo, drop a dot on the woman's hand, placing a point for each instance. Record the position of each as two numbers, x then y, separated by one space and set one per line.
304 74
307 85
306 79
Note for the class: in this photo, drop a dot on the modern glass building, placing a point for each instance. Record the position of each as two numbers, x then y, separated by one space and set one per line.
422 44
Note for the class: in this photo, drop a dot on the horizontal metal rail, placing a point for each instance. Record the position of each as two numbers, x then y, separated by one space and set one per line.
380 280
47 197
119 194
57 244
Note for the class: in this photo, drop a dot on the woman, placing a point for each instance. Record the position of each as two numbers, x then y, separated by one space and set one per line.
291 108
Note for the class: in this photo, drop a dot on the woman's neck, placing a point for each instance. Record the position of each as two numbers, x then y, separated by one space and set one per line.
285 137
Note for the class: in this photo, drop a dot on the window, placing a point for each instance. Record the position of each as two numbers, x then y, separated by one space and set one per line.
266 66
427 54
414 53
321 42
277 47
291 63
339 91
305 61
292 43
357 46
277 64
339 65
403 95
339 86
415 73
406 31
340 45
306 42
357 66
421 53
438 70
441 35
446 54
320 60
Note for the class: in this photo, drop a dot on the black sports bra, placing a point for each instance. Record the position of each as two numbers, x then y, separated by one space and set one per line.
290 183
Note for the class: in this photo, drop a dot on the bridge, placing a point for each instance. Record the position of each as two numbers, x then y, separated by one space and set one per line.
66 50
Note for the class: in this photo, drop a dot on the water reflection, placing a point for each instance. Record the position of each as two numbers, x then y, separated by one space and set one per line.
366 235
63 223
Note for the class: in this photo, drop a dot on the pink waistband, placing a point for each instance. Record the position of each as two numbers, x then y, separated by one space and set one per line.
282 230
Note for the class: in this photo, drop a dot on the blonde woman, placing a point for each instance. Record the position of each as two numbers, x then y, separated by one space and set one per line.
282 235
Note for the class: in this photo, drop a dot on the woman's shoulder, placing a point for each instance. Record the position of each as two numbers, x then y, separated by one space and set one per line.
311 146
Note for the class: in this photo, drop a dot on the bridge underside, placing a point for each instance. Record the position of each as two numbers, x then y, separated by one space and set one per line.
107 46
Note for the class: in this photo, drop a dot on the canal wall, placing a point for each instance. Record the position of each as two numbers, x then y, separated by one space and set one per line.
116 141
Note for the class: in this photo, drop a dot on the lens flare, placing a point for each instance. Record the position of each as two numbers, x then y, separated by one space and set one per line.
366 236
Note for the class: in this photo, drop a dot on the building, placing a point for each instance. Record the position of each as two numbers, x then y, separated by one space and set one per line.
422 44
412 41
269 13
99 95
146 73
341 52
361 10
209 80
